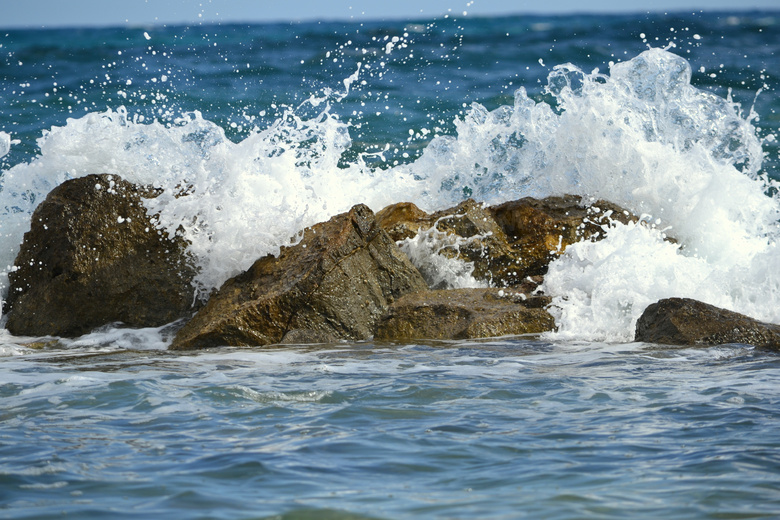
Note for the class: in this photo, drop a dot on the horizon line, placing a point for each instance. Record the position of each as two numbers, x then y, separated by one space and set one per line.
391 18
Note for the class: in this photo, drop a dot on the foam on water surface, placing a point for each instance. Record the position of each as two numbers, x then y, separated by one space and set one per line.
641 136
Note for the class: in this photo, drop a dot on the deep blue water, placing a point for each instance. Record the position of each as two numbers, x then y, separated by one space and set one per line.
231 71
112 425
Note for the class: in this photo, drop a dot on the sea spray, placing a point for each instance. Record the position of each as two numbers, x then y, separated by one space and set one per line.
688 159
5 144
233 202
428 252
642 137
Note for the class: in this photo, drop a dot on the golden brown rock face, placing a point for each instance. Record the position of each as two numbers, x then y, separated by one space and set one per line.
403 220
541 229
476 237
510 242
464 314
92 257
335 284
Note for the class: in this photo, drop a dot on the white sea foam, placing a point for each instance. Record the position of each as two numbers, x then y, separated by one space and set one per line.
642 137
5 144
440 271
244 199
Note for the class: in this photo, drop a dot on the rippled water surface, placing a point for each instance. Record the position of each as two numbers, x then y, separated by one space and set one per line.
496 429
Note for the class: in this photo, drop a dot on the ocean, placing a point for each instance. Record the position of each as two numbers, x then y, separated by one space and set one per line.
275 127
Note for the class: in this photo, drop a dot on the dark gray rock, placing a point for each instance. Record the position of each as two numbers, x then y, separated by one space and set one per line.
93 257
683 321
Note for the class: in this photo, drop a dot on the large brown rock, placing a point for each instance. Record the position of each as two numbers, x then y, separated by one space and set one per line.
463 314
468 232
683 321
92 257
335 284
511 242
542 228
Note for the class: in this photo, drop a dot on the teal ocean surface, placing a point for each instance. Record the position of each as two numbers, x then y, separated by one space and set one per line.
279 126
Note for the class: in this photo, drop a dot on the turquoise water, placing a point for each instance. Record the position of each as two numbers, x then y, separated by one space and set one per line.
295 122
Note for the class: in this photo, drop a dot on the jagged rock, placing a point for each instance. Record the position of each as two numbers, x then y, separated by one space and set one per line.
542 228
465 313
92 257
509 244
485 246
335 284
683 321
467 231
403 220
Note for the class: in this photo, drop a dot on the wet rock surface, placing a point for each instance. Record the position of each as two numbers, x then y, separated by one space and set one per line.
464 314
467 232
511 242
93 257
684 321
541 229
333 285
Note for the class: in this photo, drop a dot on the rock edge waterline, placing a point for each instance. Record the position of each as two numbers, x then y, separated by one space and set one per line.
94 257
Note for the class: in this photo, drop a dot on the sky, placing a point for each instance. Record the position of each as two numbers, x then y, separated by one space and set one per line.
80 13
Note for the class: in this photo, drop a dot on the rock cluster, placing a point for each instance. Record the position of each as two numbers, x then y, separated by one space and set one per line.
511 242
93 256
348 280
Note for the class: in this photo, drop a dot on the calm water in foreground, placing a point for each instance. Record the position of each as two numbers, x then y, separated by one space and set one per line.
494 429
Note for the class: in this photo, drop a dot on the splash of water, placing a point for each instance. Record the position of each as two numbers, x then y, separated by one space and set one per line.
428 252
243 200
5 144
642 137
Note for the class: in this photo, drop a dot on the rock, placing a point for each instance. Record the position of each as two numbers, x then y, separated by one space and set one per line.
403 220
542 228
467 231
463 314
683 321
509 244
93 257
335 284
485 246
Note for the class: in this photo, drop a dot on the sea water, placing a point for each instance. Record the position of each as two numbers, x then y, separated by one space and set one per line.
270 128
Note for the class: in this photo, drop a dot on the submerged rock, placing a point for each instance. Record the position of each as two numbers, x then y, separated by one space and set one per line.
465 313
335 284
683 321
93 257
